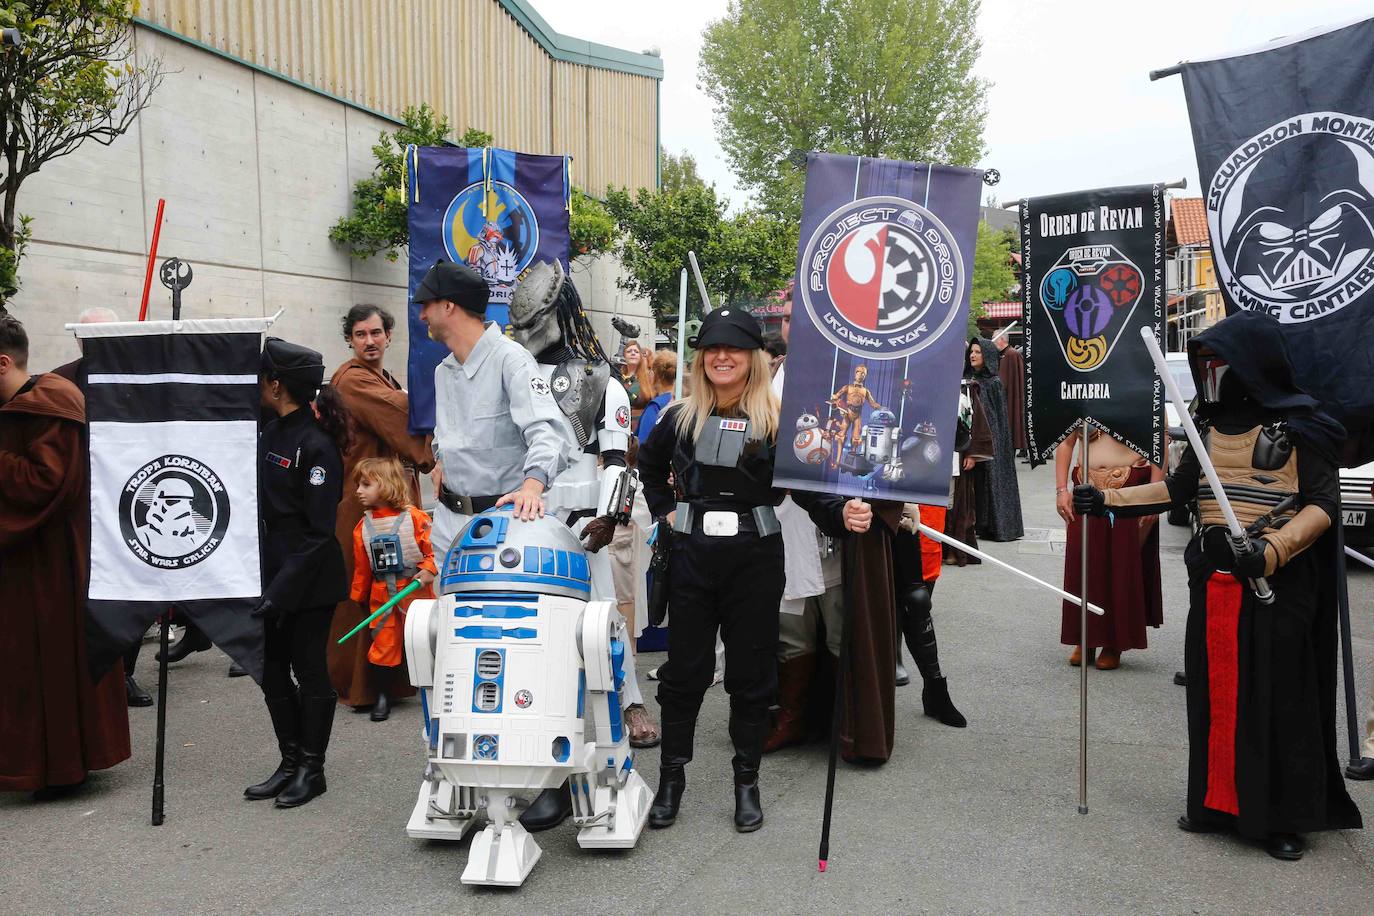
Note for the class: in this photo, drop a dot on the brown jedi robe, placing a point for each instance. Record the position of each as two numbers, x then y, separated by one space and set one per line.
870 699
1012 370
381 416
55 724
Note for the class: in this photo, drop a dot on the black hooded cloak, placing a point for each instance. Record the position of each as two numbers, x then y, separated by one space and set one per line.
997 493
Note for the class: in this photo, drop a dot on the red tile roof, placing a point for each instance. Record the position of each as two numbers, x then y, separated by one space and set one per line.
1001 310
1187 221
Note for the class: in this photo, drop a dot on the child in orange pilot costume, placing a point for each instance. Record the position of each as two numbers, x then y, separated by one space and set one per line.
391 547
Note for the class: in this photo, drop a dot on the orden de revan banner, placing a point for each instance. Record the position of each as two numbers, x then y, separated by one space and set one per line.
1092 276
1284 135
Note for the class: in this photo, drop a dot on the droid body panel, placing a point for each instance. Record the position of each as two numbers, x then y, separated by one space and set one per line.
521 678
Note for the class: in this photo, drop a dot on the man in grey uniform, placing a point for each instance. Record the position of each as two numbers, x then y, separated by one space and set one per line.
497 431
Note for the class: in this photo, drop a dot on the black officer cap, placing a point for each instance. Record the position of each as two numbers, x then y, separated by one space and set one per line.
729 327
281 358
458 283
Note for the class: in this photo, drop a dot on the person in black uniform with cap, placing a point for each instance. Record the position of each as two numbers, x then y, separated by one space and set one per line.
726 561
301 483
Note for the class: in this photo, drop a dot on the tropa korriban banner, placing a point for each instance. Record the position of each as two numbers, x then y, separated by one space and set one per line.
879 312
1092 277
1285 149
173 412
496 210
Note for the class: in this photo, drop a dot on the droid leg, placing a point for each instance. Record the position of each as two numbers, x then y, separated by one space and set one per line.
443 811
504 852
610 803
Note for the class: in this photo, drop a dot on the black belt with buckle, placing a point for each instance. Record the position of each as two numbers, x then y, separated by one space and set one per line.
465 505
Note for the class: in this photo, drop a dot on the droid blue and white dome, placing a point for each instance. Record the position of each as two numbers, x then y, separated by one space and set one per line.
498 552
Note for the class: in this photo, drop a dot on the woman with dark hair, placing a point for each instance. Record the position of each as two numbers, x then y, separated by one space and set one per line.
726 571
996 492
301 483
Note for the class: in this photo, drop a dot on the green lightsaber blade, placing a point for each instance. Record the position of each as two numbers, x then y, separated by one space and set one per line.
412 587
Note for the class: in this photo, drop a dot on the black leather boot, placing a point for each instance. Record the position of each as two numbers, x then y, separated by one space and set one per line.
134 694
192 640
747 731
381 679
317 720
286 722
937 704
678 735
551 808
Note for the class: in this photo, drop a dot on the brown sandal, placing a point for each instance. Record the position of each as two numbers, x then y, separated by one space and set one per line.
643 731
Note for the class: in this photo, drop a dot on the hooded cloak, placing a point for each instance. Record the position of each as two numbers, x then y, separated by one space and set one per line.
997 493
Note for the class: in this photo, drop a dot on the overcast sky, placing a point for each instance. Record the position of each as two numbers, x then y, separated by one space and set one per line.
1071 104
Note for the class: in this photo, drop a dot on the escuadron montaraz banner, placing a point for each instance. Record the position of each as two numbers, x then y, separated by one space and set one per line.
879 313
1285 149
497 211
1093 276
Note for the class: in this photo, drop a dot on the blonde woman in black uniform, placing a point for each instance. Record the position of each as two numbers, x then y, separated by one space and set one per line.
726 569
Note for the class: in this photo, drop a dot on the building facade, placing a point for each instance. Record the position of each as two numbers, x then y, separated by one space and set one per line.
264 121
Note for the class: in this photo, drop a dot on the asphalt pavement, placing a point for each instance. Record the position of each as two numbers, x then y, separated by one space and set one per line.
981 819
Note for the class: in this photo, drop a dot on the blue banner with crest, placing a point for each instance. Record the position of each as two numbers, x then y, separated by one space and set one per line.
879 314
497 211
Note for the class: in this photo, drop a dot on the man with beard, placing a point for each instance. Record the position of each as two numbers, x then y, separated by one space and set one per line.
1261 678
57 724
380 409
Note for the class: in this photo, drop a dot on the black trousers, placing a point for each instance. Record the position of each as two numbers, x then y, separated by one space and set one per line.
732 585
297 646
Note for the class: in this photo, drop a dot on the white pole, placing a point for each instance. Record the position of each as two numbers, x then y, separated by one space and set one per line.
701 284
1356 555
1238 535
681 334
974 552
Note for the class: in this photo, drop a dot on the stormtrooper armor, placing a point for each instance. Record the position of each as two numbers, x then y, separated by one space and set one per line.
520 674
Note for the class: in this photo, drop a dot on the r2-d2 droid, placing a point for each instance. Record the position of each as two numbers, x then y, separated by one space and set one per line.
521 677
877 450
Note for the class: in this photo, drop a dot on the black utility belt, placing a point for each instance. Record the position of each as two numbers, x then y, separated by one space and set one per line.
692 519
465 505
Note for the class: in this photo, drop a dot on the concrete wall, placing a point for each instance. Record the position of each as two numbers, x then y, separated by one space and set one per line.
254 170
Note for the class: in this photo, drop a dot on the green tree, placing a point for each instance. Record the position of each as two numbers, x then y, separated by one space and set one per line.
742 257
379 225
71 79
890 78
993 278
678 172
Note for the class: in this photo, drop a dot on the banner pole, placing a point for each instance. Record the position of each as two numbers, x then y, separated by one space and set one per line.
1352 725
1083 641
152 259
160 757
837 710
681 334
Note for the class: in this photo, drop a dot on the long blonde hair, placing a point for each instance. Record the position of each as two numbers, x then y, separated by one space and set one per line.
758 403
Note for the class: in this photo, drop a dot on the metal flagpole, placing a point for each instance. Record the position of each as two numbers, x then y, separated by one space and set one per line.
161 753
681 334
1352 725
837 710
1083 642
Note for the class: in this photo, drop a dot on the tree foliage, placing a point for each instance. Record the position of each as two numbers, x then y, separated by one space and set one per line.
73 78
378 223
890 78
678 172
993 277
743 257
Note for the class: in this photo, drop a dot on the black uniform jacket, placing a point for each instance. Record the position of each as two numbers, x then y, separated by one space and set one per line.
302 482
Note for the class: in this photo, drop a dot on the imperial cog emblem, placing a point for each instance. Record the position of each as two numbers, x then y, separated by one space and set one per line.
1291 213
882 276
173 512
1089 295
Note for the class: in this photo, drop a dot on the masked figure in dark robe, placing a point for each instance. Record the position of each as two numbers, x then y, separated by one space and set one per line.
1261 677
997 495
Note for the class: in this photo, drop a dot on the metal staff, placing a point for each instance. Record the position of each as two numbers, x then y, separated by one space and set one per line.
160 754
1083 640
1352 726
701 284
837 711
681 334
1238 535
395 599
974 552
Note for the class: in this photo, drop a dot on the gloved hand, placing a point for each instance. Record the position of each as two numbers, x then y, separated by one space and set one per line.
1088 500
266 610
1250 559
598 533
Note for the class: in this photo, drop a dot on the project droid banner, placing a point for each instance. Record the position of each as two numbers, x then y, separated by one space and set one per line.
1092 277
173 414
1284 136
879 312
497 211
